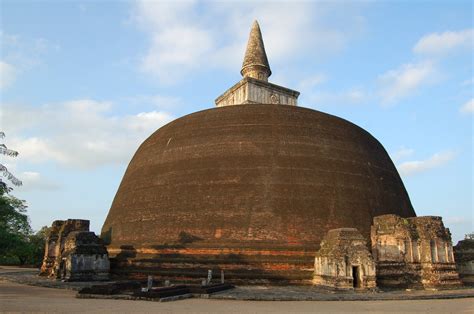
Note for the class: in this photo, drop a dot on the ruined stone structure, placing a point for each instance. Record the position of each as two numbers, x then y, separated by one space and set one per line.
413 252
344 261
50 249
85 258
74 253
464 257
254 88
59 231
250 189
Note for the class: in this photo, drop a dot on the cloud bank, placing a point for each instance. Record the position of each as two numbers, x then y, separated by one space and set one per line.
80 133
183 35
409 168
442 43
403 81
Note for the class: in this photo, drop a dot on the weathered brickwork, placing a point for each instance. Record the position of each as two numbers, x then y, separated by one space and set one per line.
74 253
464 256
256 177
344 261
413 252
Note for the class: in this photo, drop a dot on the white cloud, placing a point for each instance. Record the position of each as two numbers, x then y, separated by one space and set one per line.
403 152
179 46
34 181
441 43
405 80
413 167
185 37
468 107
399 83
178 41
80 133
37 149
7 74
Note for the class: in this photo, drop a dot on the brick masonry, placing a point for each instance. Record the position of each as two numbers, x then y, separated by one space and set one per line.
249 189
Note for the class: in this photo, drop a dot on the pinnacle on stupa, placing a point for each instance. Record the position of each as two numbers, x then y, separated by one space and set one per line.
255 63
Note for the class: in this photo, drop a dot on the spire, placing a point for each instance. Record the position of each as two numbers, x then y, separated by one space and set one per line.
255 61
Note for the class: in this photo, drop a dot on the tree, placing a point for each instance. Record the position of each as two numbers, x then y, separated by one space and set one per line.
18 244
11 153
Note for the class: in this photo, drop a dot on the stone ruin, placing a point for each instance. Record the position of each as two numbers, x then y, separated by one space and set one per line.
413 252
74 253
464 256
344 261
50 249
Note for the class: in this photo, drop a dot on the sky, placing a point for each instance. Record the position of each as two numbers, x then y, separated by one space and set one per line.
83 83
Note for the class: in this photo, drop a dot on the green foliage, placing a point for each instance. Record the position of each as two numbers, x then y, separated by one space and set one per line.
18 244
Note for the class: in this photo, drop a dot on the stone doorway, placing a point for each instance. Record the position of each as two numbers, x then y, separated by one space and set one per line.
356 276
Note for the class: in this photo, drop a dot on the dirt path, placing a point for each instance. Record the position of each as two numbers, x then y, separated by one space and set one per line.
22 298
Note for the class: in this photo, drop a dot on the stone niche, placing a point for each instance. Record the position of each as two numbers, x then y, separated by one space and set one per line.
72 252
464 256
413 252
344 261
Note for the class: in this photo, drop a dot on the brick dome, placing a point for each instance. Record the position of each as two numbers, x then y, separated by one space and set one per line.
251 189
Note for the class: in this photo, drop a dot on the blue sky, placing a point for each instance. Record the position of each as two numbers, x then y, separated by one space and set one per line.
83 83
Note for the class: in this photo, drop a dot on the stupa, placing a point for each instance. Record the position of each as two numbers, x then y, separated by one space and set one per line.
250 187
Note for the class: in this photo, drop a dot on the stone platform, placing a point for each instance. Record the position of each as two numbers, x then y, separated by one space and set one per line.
307 293
259 293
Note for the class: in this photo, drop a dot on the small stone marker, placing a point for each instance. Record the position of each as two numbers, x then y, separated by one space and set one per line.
149 283
167 283
222 276
209 276
204 282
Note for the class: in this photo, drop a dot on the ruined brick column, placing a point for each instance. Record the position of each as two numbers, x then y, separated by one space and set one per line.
50 248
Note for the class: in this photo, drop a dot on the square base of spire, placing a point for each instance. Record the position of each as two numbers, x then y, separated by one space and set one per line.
253 91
